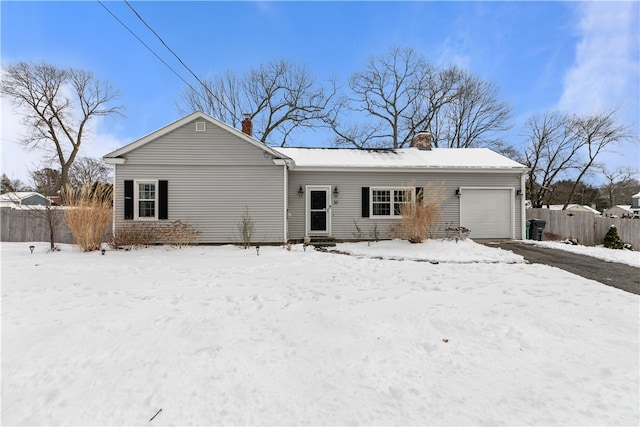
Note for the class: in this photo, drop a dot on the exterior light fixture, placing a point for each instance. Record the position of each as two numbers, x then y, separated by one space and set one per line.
458 192
300 191
518 192
31 248
335 191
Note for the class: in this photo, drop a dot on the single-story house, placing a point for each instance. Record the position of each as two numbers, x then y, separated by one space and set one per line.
23 198
205 173
635 204
574 207
619 211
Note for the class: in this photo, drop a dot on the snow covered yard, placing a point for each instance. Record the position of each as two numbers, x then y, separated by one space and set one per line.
220 336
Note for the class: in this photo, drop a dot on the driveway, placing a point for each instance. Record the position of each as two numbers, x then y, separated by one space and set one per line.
621 276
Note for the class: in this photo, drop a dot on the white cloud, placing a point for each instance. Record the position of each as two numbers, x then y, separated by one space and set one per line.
605 71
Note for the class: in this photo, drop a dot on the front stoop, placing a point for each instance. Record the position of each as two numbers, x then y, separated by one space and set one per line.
322 242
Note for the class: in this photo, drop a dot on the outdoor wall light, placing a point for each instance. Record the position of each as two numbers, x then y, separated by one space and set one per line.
335 191
31 248
458 192
300 191
518 192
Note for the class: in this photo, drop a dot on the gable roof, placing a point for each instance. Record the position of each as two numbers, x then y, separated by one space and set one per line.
402 158
116 156
18 197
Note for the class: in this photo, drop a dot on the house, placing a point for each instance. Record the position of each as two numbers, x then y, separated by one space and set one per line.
206 173
574 207
619 211
635 205
23 198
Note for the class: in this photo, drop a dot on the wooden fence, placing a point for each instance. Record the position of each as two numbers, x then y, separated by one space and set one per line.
586 227
31 225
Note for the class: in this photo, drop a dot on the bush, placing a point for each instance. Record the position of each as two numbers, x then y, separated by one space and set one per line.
134 235
419 216
612 240
88 214
246 228
179 234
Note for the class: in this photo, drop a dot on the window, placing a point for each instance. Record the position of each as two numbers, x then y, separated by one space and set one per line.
388 202
146 200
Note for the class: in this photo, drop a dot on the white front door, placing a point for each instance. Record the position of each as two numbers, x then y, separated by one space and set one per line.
318 218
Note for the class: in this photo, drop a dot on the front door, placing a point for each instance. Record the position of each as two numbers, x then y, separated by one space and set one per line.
318 210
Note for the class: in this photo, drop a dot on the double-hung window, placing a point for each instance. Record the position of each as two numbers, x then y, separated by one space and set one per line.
388 202
146 202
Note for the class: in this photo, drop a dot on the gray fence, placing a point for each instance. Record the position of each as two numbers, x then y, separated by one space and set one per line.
31 225
586 227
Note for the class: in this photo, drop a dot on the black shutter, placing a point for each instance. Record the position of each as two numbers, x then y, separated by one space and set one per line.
163 200
128 199
365 202
419 194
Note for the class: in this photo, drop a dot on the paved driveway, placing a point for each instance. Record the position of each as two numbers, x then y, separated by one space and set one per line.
614 274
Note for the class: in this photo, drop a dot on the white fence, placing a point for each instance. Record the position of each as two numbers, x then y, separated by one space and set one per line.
585 226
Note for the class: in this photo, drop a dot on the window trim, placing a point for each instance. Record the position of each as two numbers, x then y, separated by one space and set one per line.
393 190
136 200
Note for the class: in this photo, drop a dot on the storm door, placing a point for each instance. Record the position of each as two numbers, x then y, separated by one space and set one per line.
318 210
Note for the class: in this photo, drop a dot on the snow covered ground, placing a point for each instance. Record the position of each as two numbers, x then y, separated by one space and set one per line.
622 256
221 336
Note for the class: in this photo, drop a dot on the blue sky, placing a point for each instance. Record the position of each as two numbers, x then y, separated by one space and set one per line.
580 57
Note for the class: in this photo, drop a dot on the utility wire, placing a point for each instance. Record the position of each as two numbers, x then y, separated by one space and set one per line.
147 46
204 86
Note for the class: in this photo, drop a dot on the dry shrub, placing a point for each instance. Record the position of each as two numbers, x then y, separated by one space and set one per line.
246 228
136 234
89 214
419 216
179 234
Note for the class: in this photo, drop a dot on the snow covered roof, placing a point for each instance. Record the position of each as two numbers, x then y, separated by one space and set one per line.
18 197
573 207
636 196
402 158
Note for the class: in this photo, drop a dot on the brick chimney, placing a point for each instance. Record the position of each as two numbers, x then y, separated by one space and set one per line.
422 141
247 126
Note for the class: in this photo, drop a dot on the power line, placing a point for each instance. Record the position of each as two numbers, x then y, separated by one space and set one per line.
205 87
146 46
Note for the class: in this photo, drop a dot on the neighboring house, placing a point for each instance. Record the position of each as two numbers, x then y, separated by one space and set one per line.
23 198
574 207
619 211
635 204
205 173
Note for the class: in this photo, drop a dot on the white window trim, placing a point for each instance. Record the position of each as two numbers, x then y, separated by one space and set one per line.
391 202
136 199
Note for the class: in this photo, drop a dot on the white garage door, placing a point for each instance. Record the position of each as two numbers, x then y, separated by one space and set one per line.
487 213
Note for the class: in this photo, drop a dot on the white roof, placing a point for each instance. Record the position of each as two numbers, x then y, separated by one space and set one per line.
636 196
18 196
573 206
436 158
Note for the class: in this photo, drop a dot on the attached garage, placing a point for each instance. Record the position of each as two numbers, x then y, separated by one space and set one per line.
488 212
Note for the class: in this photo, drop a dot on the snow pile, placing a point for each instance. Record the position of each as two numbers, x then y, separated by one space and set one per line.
622 256
221 336
450 251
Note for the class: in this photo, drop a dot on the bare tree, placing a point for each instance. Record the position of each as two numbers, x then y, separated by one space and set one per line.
474 117
594 134
280 97
57 106
87 170
8 185
46 181
620 184
550 153
390 92
399 93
